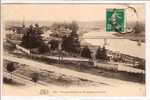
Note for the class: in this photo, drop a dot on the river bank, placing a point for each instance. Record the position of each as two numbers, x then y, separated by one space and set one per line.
132 36
124 46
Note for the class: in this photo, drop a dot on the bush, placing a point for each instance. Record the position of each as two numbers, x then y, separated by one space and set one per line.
86 52
10 68
35 77
54 44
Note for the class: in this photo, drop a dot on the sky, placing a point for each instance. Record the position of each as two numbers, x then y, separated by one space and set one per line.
61 12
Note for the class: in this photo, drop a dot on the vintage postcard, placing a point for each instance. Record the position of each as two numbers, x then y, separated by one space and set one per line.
73 49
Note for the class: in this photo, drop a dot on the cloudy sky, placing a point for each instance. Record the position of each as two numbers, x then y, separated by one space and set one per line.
61 12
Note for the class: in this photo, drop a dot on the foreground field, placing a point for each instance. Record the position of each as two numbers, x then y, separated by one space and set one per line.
94 85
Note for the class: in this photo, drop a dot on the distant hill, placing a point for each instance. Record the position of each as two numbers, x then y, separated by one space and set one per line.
83 26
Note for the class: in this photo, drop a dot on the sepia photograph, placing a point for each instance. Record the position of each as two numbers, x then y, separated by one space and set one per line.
73 49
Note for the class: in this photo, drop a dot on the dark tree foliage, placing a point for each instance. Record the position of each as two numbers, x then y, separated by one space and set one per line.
67 43
86 52
43 48
141 65
104 53
10 68
70 44
76 45
54 44
101 53
35 77
98 53
32 38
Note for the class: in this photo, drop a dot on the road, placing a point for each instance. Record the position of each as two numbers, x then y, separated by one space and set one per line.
120 66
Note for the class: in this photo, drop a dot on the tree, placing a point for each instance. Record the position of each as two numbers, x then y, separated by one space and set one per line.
68 33
43 48
98 53
67 44
104 53
32 38
86 52
54 44
11 68
76 46
74 27
70 44
35 77
141 64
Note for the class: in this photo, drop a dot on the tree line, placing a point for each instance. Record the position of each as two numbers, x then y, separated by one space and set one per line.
70 43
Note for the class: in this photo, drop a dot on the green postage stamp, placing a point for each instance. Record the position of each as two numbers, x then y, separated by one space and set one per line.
115 20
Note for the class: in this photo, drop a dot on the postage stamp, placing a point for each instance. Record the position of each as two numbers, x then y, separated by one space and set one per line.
115 20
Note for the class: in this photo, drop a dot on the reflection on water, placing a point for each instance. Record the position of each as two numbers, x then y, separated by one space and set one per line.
120 45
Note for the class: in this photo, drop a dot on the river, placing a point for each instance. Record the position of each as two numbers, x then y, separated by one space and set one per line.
124 46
